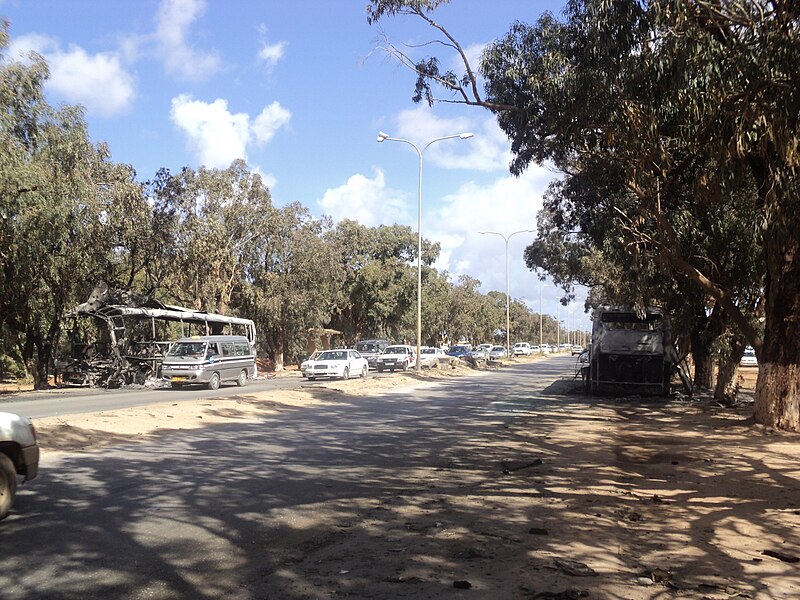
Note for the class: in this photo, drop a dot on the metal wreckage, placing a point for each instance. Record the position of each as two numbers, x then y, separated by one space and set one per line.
119 338
632 350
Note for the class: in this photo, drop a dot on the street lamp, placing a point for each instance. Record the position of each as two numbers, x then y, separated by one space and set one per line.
508 297
382 137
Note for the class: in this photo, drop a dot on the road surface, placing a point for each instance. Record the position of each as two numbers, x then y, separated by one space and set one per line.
235 510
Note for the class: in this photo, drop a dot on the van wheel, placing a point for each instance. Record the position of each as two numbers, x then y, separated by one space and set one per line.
346 373
242 378
8 485
364 372
213 383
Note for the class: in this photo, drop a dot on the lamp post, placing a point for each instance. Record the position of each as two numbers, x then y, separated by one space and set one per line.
382 137
508 297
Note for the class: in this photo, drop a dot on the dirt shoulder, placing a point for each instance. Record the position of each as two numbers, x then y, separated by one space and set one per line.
575 497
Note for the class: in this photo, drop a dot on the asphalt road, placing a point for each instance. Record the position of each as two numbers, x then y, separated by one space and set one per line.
222 512
75 400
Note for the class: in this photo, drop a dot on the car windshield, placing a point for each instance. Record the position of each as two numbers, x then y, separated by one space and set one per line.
333 355
395 350
457 348
428 351
192 349
498 349
366 347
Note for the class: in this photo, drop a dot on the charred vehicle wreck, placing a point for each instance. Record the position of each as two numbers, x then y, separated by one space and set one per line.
118 338
631 351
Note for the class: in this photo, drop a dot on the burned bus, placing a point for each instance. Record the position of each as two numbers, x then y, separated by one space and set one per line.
119 338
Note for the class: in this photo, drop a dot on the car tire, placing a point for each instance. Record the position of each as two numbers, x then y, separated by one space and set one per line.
312 378
364 372
213 383
242 380
346 373
8 485
380 369
177 386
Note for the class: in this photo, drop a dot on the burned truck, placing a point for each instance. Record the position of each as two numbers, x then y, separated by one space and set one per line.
117 338
630 352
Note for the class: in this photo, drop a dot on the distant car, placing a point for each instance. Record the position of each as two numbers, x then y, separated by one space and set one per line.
371 349
19 455
544 349
479 353
749 358
429 356
397 357
576 350
336 363
522 349
304 364
498 352
458 350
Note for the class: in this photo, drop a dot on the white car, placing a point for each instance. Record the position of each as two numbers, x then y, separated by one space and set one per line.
397 357
19 455
749 358
576 350
522 349
429 356
304 364
498 352
336 363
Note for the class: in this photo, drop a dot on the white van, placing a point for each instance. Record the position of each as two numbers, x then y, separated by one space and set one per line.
209 360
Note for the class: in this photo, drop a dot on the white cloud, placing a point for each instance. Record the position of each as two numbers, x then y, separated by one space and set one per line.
368 201
267 123
216 136
270 53
99 82
487 151
173 19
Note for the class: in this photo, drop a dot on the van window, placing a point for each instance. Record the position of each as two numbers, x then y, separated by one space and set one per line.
242 349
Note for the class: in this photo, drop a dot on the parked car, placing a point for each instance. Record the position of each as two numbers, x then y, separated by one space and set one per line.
498 352
397 357
371 349
479 353
304 364
458 350
336 363
522 349
544 349
429 356
19 456
749 358
576 350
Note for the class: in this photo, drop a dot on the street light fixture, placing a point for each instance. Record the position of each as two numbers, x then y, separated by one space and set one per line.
508 297
382 137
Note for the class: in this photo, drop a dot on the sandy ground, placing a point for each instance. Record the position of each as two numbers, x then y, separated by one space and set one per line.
618 498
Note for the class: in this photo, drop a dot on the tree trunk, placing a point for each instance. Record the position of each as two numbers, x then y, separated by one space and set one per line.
702 338
777 401
725 390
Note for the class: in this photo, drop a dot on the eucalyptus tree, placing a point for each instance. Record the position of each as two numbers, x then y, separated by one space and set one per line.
57 193
656 91
214 218
379 290
292 281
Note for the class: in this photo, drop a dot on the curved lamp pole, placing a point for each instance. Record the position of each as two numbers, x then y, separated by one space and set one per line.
508 297
382 137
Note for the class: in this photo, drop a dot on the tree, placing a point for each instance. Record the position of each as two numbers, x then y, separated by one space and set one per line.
656 92
57 192
293 281
214 219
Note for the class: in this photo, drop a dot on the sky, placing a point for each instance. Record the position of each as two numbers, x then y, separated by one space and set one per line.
300 91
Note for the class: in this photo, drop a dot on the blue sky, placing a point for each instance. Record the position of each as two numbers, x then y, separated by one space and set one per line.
300 90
